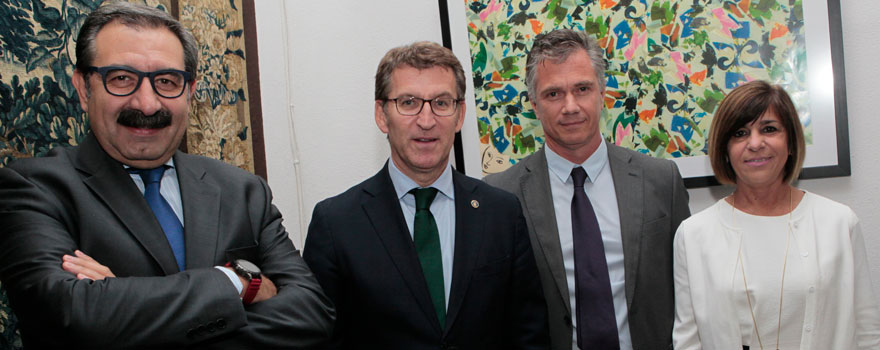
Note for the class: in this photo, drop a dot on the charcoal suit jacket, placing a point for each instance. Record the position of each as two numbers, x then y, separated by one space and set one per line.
80 198
652 201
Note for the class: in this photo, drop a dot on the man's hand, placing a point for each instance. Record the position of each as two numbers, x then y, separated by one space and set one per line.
84 267
267 289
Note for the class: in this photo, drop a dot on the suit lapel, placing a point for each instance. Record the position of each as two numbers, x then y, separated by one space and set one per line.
382 207
469 233
201 212
538 203
113 185
629 188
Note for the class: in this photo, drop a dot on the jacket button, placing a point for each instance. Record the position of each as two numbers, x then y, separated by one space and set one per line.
190 332
221 323
567 320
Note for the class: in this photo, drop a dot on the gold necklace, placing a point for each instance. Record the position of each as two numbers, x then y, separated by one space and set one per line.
784 263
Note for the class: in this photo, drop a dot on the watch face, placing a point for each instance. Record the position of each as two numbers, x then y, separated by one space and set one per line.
248 266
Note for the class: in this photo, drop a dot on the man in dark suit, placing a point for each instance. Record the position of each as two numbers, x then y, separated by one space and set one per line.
637 201
97 254
452 271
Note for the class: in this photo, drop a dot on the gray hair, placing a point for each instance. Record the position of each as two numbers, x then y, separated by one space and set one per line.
132 15
557 46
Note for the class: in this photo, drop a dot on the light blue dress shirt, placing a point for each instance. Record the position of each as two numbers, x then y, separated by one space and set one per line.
599 187
443 209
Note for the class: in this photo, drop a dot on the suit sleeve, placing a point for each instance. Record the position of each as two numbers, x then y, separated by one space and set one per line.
301 315
319 253
680 197
528 325
191 307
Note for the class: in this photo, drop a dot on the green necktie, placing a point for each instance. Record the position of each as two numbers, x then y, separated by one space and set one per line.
427 241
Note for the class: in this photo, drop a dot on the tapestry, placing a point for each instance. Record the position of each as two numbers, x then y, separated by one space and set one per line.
669 64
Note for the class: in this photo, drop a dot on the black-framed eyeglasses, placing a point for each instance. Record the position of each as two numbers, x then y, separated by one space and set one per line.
410 105
124 81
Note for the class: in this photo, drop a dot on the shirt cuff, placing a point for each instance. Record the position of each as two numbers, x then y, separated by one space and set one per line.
232 277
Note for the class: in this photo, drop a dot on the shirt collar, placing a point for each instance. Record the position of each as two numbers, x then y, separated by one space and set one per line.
561 167
402 183
169 163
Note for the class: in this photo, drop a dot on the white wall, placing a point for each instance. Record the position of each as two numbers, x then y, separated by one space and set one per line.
318 58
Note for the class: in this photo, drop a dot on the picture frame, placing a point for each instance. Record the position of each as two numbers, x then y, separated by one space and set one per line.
828 155
828 141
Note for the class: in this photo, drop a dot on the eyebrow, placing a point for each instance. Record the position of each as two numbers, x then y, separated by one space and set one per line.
587 83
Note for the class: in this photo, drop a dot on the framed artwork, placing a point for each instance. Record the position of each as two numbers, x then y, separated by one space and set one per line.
670 63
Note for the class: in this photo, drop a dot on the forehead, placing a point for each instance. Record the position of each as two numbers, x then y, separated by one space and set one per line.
576 67
142 47
428 81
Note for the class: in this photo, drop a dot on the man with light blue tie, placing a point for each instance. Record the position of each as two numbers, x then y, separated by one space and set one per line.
601 218
125 242
420 256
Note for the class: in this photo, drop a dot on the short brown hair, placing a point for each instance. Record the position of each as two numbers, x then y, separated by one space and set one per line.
744 105
419 55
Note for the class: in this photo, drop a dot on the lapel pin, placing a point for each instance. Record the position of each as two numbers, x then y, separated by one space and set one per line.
475 204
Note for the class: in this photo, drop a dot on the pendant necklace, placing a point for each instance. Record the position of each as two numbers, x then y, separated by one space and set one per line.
784 263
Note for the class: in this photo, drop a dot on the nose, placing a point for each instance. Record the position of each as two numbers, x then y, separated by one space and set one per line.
426 118
145 99
570 104
755 141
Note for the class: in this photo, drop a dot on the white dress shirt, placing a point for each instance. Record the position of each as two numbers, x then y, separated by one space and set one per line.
443 209
599 188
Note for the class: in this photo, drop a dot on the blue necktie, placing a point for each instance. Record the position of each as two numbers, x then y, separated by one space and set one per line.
167 219
596 324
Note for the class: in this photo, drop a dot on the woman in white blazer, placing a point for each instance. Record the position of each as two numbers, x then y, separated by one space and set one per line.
770 266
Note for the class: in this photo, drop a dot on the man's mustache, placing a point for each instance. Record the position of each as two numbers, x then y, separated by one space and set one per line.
136 119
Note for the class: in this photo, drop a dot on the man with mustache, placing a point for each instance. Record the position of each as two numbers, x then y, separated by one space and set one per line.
125 242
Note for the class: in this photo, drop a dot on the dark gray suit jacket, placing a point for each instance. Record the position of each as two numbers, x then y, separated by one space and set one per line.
652 201
80 198
360 248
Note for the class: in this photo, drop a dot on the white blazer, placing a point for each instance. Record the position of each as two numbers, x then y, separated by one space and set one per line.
840 311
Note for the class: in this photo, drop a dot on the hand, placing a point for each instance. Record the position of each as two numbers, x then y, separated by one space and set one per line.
84 267
267 290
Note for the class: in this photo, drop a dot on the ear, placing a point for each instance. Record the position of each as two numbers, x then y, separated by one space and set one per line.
461 114
79 82
192 89
381 118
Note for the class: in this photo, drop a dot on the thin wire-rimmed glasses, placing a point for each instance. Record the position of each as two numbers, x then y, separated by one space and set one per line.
124 81
411 105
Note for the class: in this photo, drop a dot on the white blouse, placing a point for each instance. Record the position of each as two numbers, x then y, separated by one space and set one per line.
828 301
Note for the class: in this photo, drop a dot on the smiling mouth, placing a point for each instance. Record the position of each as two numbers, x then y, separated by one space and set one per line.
758 160
425 139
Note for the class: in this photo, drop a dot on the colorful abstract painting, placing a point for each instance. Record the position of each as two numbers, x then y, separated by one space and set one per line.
669 65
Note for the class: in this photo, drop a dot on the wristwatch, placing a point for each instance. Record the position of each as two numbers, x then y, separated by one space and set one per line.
250 272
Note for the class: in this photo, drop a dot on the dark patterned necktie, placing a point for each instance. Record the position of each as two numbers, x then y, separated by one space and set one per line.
427 241
167 219
596 324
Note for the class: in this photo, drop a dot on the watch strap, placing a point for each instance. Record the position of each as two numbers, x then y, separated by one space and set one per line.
252 288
